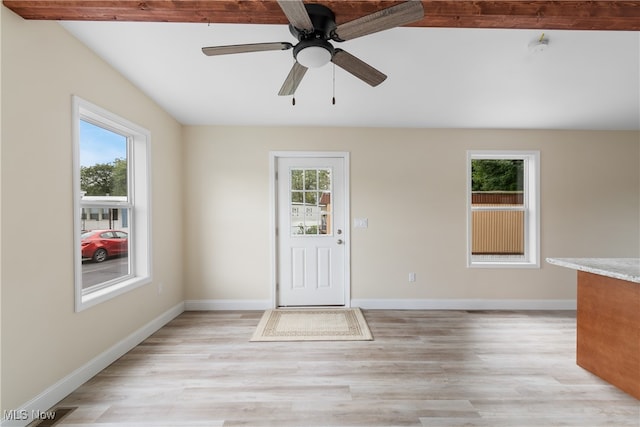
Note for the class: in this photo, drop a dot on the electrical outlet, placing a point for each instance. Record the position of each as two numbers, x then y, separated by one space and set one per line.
160 288
412 277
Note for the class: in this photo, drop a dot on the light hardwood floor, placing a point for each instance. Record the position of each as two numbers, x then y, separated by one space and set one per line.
424 368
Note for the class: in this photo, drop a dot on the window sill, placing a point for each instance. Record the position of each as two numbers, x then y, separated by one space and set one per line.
89 300
506 264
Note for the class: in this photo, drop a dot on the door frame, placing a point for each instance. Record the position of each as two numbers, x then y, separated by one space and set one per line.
273 216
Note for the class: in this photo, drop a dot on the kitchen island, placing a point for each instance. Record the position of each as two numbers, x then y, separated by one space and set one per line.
608 318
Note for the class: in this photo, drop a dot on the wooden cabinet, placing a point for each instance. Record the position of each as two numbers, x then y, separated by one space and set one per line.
608 330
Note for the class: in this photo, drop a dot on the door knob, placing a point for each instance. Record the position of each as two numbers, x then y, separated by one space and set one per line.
340 241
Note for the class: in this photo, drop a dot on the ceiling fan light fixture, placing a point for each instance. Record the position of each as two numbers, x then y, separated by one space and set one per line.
314 56
313 52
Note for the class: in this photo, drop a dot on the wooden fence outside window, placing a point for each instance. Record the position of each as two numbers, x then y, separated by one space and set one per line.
497 223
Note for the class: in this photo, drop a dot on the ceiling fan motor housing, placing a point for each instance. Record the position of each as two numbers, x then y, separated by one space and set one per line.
318 49
323 20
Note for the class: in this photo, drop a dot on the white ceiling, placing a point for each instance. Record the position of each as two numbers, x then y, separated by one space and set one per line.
438 78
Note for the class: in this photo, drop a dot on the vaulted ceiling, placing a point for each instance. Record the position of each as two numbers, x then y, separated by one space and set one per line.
467 64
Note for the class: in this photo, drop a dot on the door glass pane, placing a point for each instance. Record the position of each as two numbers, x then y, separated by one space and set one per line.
310 198
325 213
310 209
297 179
324 179
297 197
311 218
310 179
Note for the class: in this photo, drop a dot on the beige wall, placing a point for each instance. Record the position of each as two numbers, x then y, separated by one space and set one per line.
43 339
411 185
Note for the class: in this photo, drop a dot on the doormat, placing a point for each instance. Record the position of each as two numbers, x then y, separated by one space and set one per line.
317 324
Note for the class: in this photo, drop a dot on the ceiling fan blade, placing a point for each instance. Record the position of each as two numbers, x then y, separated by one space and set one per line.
244 48
394 16
293 79
296 14
358 68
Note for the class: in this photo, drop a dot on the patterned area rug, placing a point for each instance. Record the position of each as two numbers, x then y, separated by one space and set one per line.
313 324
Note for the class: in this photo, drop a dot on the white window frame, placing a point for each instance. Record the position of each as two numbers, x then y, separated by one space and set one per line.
531 257
138 203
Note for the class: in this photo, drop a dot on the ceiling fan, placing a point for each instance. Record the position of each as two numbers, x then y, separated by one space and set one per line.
314 26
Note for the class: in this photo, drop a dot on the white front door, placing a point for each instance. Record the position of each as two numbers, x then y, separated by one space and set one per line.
312 249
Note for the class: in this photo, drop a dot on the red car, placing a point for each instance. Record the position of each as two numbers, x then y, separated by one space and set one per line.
99 245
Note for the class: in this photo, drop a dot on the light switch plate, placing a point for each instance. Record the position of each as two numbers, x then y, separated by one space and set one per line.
361 222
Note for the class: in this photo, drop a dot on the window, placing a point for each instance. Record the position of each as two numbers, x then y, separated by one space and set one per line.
112 206
503 209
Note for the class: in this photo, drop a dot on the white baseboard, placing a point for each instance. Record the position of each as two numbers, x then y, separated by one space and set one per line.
227 304
396 304
61 389
464 304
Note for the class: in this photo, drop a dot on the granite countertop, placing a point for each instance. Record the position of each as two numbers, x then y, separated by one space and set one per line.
618 268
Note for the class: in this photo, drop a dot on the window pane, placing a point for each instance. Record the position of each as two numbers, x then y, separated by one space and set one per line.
105 256
103 162
104 174
496 182
497 232
498 215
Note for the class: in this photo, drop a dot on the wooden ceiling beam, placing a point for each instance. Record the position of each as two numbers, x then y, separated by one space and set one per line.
611 15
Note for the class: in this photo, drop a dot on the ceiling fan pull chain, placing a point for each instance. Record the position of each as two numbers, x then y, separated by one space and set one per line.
333 99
